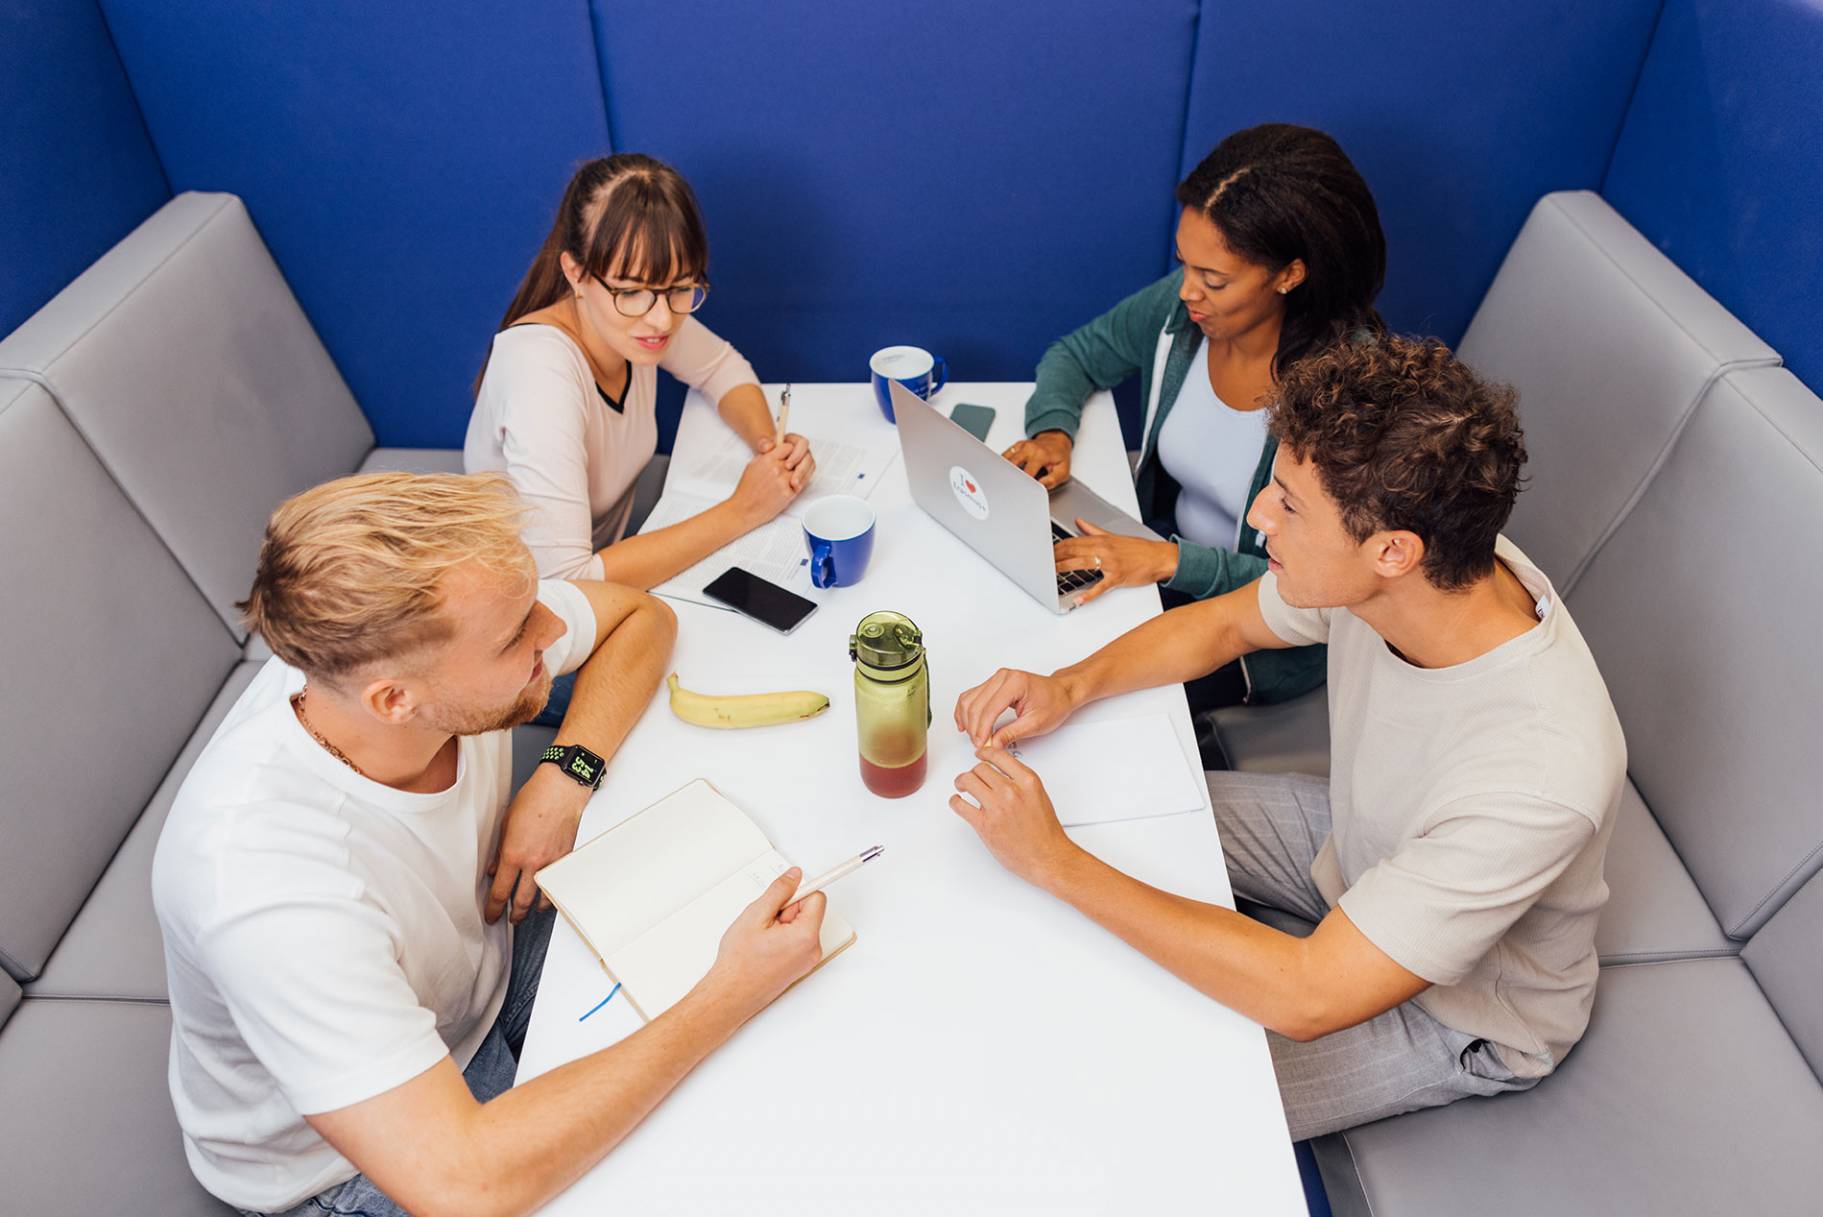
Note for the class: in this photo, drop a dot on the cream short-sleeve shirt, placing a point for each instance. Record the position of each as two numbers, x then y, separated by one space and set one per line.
1471 809
573 454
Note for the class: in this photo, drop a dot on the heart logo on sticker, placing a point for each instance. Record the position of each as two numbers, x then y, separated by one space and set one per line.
967 492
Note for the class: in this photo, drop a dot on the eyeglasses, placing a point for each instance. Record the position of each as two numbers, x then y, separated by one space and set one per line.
638 301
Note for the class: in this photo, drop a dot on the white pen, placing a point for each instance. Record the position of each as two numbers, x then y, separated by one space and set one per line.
784 415
830 876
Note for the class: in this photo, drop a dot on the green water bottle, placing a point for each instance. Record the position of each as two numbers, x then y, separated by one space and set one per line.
892 703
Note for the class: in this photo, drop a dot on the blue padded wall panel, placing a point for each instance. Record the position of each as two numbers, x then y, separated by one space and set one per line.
79 170
402 161
1720 163
1459 117
973 178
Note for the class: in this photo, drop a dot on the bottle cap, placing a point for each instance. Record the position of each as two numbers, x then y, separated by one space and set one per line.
886 640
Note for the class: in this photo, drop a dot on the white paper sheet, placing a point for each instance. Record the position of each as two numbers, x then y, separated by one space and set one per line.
1153 777
774 551
714 469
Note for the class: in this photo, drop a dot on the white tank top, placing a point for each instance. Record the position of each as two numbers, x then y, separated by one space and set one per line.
1211 450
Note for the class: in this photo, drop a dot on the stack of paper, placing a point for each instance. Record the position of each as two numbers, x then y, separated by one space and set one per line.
707 466
1151 779
773 551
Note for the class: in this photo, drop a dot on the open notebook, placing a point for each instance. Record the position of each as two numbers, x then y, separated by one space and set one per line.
653 895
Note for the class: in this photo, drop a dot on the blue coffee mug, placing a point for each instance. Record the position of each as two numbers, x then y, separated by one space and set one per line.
840 533
914 367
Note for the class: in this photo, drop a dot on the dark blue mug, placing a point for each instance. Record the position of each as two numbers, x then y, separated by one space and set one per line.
914 367
840 533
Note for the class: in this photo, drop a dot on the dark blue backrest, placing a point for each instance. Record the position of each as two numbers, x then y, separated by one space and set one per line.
76 169
402 162
1721 162
972 178
976 178
1459 117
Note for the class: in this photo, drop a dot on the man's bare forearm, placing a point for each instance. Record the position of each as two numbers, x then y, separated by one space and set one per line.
528 1144
1173 647
615 684
1248 967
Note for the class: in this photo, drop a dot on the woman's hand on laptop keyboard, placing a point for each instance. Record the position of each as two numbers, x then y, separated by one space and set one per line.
1046 456
1122 561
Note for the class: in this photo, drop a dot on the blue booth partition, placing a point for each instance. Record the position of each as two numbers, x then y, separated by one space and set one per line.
1720 163
972 178
1460 118
976 179
401 161
79 171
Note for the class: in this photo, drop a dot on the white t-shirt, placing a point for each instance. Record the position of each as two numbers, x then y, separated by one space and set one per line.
1211 450
541 419
1471 808
323 933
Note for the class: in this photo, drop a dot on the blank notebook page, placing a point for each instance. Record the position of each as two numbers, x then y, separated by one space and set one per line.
653 896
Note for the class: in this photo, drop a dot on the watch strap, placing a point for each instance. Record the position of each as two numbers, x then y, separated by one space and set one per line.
577 763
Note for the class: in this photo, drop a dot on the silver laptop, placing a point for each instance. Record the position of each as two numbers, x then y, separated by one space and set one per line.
998 510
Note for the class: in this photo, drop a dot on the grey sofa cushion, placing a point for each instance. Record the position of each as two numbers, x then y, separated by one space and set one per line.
1706 630
9 997
1654 910
87 1125
113 949
110 656
185 361
1288 737
1783 958
1685 1097
413 460
1610 346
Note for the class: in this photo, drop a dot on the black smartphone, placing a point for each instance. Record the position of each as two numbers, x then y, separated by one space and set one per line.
973 419
765 602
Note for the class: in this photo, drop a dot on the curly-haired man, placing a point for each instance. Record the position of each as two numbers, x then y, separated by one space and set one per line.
1436 897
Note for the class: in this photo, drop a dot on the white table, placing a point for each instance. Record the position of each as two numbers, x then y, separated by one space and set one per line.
981 1048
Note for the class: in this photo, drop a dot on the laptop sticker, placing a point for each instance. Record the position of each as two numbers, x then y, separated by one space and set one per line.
968 492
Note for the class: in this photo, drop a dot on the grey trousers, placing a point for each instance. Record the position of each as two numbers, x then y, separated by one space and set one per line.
1272 826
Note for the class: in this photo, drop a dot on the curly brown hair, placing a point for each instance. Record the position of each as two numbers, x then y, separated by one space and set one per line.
1406 436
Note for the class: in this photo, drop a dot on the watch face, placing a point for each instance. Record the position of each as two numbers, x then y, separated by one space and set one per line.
577 761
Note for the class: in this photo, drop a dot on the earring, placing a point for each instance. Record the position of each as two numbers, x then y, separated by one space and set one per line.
1283 290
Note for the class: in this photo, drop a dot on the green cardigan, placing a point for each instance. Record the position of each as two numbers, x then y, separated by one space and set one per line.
1107 351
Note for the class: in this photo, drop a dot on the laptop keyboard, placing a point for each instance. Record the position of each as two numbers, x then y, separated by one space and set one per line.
1070 581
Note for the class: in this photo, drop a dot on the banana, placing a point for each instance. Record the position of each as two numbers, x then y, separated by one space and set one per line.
744 710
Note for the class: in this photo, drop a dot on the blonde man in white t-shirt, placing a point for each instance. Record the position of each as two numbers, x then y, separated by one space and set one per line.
1436 897
346 1008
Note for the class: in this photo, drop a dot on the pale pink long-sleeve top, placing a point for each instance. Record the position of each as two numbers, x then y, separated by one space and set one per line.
572 453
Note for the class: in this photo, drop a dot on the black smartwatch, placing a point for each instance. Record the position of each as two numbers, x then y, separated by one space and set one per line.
577 762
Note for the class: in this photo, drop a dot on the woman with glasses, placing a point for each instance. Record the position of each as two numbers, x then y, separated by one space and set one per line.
565 404
1281 254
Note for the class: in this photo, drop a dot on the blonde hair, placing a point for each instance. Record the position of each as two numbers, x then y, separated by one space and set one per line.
351 571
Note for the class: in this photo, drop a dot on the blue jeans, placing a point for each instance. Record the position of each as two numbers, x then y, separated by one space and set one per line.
562 688
488 1075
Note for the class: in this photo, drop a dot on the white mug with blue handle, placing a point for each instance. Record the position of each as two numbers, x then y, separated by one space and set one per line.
839 531
914 367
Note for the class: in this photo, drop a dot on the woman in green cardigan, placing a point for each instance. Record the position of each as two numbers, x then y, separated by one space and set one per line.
1282 255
